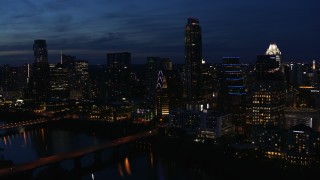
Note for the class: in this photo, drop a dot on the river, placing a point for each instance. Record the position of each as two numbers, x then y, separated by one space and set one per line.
144 163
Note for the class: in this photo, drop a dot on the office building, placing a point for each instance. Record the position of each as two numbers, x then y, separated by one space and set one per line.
153 66
156 84
118 75
215 124
193 60
80 83
40 82
187 120
301 145
40 51
59 83
268 100
232 94
162 101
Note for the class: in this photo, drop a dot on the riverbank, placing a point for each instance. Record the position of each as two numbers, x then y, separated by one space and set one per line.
223 162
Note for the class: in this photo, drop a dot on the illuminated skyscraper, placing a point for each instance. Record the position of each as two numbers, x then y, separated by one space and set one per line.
162 101
40 51
78 76
156 82
81 78
269 95
193 59
268 104
59 84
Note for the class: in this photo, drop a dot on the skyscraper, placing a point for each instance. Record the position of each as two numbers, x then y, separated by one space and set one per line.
81 78
40 51
162 101
157 71
269 94
153 66
59 84
193 59
118 75
40 71
232 95
268 102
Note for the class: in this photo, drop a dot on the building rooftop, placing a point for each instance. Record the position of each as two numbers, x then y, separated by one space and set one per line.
273 50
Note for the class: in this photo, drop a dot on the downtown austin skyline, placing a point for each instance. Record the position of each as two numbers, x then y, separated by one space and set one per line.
91 29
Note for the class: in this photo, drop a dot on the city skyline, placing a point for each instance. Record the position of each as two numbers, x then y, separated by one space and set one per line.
90 30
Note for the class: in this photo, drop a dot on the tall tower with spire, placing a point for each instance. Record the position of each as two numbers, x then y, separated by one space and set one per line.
269 66
268 100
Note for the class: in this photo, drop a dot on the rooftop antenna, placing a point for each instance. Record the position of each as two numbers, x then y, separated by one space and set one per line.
61 57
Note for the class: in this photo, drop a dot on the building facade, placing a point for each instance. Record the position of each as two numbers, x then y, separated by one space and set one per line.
118 75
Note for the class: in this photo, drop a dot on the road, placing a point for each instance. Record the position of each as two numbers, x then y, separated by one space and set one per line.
73 154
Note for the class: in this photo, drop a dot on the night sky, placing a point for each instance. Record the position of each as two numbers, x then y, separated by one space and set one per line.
89 29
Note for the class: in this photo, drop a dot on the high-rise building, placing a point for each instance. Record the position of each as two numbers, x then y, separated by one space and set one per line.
268 104
232 95
13 80
193 60
215 123
269 67
40 82
118 75
269 95
78 76
81 78
40 51
9 78
268 101
156 84
153 66
296 74
162 101
166 64
59 84
67 60
40 77
301 145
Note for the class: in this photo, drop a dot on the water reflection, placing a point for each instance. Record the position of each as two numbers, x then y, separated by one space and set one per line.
120 169
9 140
127 166
151 159
24 138
5 141
42 135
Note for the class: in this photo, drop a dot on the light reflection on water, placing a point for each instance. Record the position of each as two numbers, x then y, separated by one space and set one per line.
127 166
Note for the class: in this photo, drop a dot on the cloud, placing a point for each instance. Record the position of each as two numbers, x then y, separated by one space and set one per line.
157 27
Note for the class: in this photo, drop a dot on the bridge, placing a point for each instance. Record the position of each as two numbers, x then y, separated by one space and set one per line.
76 155
22 123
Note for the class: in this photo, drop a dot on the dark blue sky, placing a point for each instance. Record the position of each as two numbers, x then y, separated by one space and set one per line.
89 29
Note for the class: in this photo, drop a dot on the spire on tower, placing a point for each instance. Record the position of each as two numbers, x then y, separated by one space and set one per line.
61 57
